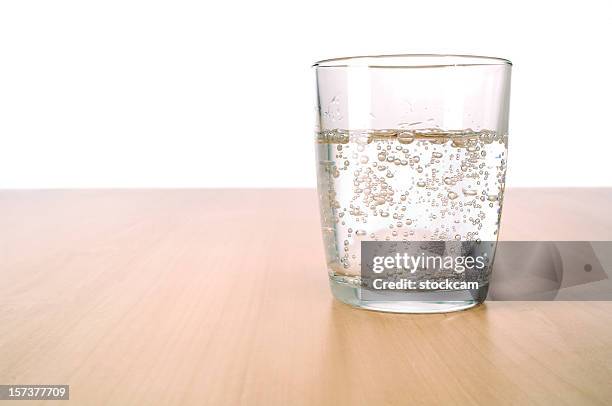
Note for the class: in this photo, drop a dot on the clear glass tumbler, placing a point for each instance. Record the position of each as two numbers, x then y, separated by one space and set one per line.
409 148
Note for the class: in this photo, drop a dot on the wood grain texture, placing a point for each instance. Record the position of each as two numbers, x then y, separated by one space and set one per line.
220 297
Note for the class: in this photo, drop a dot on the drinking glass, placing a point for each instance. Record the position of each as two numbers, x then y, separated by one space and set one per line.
409 148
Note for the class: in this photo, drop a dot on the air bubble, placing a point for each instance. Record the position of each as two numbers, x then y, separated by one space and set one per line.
405 138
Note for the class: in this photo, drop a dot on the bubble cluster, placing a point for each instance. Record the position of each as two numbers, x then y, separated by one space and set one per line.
394 185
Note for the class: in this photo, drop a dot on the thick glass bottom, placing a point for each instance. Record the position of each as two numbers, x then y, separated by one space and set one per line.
419 302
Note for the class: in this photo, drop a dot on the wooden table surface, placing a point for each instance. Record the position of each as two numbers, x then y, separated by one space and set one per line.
220 297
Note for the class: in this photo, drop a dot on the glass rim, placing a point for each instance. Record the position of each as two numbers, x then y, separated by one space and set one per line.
408 61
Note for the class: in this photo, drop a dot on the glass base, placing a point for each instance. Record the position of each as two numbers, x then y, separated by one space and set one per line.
437 302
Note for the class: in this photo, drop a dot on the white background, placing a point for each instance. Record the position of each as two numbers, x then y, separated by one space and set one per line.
220 93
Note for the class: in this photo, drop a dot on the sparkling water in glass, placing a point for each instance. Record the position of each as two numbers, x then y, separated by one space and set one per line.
409 148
